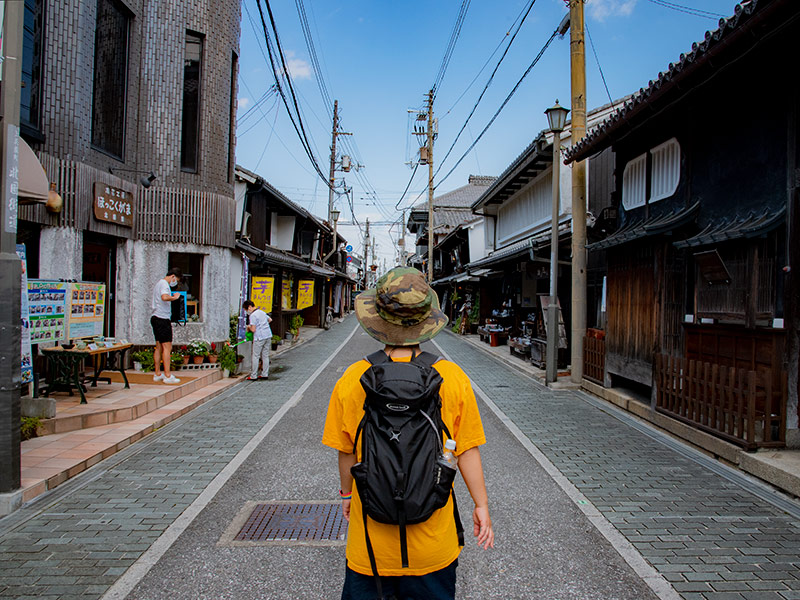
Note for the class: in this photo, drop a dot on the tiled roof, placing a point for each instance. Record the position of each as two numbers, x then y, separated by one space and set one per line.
746 16
738 226
462 197
654 225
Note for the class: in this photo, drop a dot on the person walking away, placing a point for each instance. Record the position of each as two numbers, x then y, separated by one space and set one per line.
404 559
162 326
262 334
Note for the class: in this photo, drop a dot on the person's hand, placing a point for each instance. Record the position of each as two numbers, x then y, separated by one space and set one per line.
483 527
346 509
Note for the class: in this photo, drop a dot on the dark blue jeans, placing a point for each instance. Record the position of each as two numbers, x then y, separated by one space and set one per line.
439 585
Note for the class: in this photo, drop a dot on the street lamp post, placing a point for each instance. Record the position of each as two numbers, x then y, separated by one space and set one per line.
556 118
335 216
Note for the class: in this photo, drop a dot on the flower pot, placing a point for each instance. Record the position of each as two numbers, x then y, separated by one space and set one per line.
185 359
274 346
226 373
198 360
137 366
212 358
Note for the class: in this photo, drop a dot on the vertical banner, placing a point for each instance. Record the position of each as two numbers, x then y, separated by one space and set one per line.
12 177
261 290
305 293
25 331
286 294
241 328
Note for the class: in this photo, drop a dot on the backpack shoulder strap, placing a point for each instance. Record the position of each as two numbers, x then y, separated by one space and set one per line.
427 359
377 358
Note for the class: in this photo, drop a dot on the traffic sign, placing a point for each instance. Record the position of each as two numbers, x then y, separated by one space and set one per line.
349 259
349 248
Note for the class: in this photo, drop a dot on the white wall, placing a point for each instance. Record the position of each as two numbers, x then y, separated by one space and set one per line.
61 253
282 232
477 240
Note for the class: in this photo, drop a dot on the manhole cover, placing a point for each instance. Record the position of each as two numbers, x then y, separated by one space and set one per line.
311 523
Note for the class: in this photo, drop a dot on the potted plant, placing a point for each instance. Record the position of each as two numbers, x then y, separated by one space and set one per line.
212 354
184 352
295 323
198 350
276 339
142 359
227 360
176 360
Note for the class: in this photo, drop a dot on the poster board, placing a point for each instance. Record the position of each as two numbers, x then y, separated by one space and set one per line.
562 330
87 308
261 291
26 371
305 293
47 302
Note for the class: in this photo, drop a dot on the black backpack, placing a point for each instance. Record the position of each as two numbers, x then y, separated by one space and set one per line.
178 310
399 479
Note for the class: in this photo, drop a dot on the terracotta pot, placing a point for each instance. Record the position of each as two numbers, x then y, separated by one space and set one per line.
185 359
198 360
212 358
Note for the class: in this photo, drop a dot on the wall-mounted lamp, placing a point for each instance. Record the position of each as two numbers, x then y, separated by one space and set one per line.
145 181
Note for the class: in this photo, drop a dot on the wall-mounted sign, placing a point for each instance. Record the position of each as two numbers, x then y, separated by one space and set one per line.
305 293
113 205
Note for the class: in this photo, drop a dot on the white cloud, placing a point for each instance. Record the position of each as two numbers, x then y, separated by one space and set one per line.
602 9
243 103
298 68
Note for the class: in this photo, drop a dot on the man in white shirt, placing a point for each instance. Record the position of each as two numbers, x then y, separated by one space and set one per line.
162 324
262 335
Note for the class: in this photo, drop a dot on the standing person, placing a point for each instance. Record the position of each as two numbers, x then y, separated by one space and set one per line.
262 334
414 560
162 325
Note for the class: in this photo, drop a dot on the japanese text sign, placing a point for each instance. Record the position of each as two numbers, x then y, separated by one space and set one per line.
305 293
113 205
261 289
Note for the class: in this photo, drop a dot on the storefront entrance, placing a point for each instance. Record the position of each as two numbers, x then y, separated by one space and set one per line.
100 265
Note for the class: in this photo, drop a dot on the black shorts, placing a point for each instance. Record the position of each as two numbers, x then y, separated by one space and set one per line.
162 329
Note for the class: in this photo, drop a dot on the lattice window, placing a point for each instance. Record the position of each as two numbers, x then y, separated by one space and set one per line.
666 170
634 182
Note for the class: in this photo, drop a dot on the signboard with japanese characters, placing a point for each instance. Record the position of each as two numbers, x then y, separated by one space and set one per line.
113 205
261 292
305 293
286 294
86 309
26 371
46 307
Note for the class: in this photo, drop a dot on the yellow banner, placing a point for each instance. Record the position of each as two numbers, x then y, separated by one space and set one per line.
261 289
305 293
286 294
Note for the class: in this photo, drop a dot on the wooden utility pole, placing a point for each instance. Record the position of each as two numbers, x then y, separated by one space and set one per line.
332 178
430 186
578 77
403 246
10 265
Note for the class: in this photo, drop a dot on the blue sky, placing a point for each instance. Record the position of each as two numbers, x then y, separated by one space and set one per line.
378 59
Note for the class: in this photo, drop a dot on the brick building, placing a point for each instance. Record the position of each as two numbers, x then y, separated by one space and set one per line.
134 99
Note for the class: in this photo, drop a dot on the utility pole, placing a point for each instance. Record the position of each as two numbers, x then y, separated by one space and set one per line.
332 178
578 77
430 186
403 247
10 265
366 256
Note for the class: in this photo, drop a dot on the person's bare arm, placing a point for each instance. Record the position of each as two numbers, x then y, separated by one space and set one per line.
346 460
471 468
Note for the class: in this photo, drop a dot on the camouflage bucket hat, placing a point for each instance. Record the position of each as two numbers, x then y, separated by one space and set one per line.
402 309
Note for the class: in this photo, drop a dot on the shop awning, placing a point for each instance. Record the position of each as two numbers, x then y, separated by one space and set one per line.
520 248
739 226
33 184
316 270
640 228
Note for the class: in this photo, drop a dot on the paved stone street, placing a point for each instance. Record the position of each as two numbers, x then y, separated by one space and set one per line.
580 495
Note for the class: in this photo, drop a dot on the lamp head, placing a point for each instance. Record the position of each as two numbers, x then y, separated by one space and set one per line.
335 215
557 117
147 181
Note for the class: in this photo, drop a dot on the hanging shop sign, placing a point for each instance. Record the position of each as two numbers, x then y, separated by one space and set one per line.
86 309
113 205
305 293
47 310
261 290
286 294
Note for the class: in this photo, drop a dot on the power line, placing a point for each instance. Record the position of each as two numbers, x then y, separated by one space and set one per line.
602 76
397 206
451 45
485 87
696 12
502 106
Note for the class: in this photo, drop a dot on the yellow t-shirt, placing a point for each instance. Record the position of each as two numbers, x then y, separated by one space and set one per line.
433 544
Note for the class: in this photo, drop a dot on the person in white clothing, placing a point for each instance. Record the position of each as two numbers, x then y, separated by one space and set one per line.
262 336
161 323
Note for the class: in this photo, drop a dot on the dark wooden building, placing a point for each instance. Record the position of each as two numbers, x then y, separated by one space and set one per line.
699 292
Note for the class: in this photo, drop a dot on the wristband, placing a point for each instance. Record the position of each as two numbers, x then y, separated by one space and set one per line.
347 496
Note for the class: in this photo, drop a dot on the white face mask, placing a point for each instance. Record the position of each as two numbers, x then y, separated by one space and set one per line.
172 284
